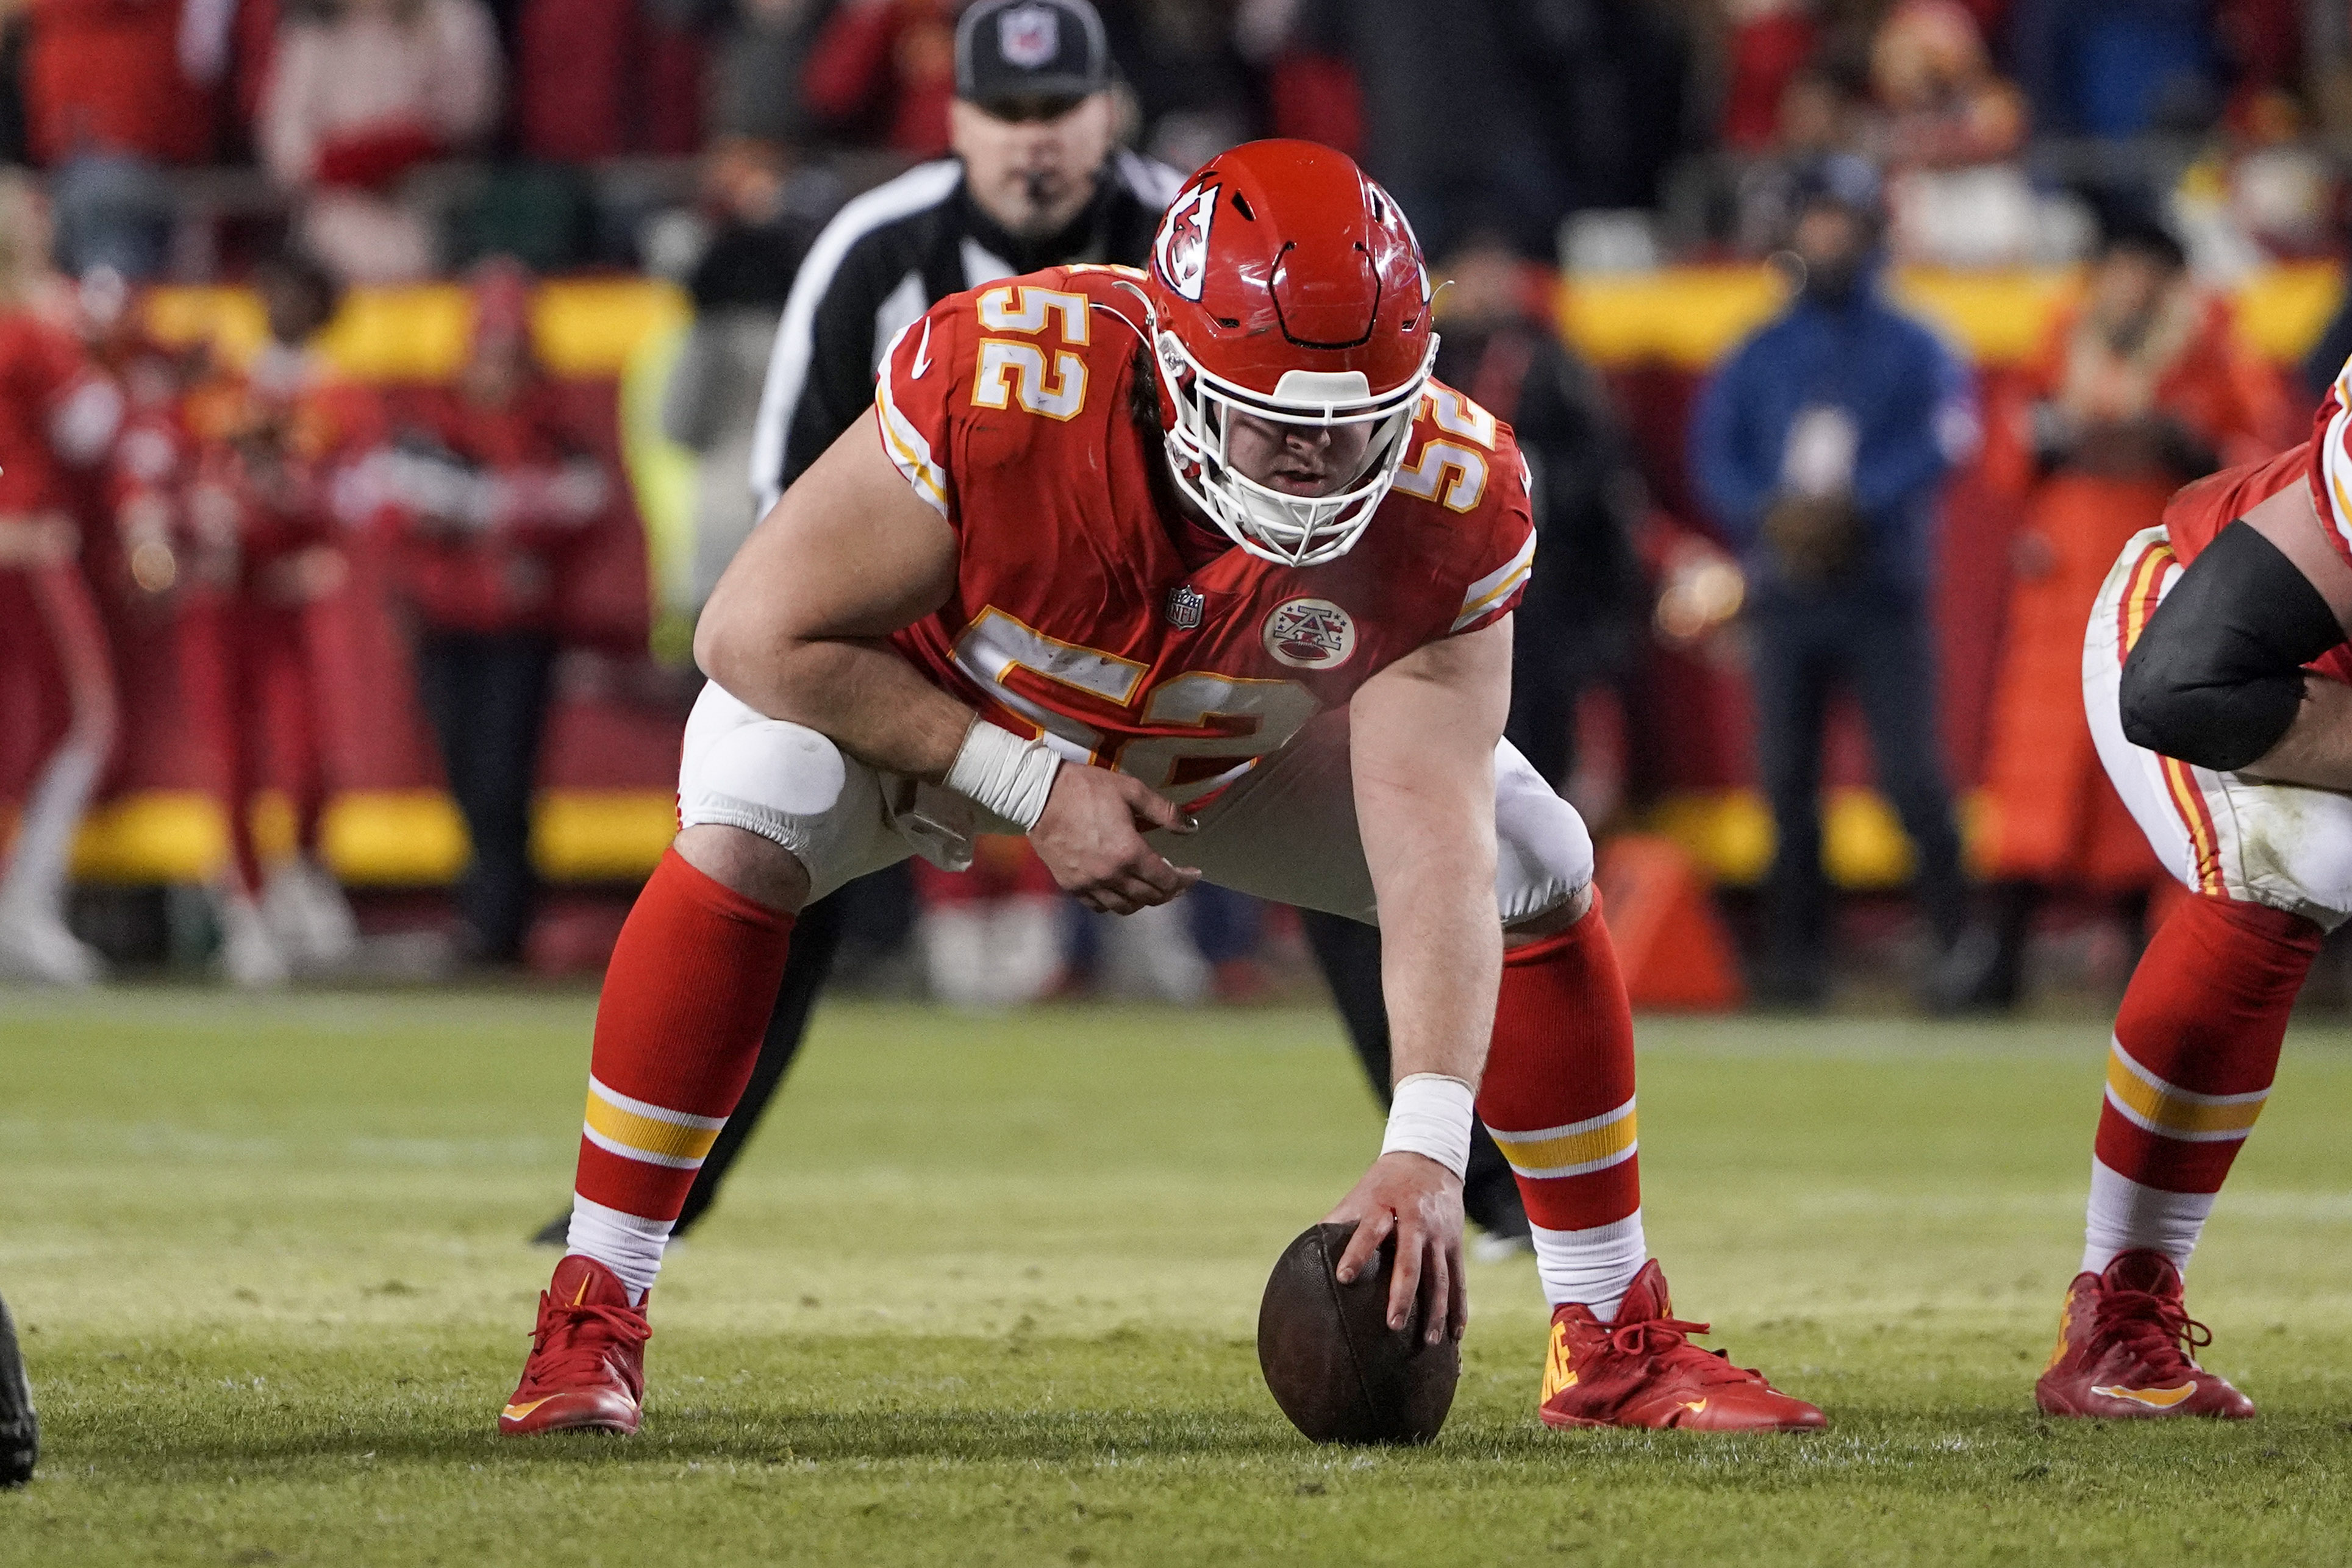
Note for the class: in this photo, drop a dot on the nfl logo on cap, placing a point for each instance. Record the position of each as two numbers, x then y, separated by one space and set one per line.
1029 35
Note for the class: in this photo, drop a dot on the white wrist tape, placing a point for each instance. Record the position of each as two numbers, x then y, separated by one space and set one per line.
1431 1116
1006 774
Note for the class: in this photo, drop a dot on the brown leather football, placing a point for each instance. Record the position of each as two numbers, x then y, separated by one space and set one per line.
1330 1359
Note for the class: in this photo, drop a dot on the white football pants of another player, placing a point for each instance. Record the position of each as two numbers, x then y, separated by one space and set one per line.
2275 844
1285 831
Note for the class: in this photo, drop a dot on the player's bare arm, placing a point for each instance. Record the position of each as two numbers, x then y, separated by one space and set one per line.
2217 680
795 629
1422 750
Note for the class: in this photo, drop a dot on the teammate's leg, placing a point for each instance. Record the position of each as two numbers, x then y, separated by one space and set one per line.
2197 1041
2196 1046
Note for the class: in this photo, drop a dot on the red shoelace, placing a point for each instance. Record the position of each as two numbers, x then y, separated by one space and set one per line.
568 1345
1666 1341
2158 1330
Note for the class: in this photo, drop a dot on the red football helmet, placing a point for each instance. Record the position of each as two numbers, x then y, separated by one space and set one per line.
1285 284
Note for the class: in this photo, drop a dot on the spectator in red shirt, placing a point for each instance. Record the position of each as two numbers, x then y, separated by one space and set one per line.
492 492
886 68
55 413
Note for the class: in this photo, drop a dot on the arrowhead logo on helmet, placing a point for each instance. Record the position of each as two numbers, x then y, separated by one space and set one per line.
1183 247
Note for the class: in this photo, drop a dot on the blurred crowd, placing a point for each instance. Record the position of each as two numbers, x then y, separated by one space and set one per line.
404 137
2171 147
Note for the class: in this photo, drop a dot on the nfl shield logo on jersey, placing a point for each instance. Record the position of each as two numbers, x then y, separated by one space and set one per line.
1309 634
1185 604
1029 34
1182 250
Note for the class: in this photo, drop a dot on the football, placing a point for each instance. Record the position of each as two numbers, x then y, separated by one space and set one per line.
1330 1359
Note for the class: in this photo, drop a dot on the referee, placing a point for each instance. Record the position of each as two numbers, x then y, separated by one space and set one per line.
1037 180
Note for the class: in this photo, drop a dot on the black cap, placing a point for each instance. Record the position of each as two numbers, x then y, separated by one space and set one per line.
1030 48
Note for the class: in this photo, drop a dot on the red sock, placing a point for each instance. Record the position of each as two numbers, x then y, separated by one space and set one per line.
689 993
1559 1090
2197 1041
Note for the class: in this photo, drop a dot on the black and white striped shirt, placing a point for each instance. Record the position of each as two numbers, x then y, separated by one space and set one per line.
891 254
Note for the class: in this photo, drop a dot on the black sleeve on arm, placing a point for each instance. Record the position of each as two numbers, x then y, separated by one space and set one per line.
2216 677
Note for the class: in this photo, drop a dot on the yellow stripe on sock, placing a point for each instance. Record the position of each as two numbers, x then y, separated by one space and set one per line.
647 1136
2170 1111
1600 1141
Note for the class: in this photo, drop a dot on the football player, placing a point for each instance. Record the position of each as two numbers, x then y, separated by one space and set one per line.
2215 674
1187 572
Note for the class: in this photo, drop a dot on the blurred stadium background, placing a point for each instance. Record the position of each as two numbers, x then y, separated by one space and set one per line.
1637 158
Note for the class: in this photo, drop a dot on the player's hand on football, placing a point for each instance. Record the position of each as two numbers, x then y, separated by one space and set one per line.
1419 1201
1091 839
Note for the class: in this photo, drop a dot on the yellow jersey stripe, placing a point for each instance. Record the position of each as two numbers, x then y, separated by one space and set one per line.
2140 599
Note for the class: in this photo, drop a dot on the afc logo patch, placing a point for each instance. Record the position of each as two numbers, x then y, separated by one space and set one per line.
1182 250
1309 635
1029 35
1185 604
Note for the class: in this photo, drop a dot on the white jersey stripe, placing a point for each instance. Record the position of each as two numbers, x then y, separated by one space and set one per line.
904 442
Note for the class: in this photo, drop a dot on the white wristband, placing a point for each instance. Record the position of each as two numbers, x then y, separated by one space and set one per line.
1006 774
1430 1115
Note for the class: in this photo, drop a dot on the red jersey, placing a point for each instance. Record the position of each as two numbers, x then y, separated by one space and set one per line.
1130 636
272 443
56 412
486 505
2201 510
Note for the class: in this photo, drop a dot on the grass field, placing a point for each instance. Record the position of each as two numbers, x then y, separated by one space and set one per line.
983 1293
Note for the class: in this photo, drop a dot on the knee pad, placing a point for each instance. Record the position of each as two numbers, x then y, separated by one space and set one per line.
1543 852
766 776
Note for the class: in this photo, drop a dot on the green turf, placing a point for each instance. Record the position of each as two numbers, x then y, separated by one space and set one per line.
984 1294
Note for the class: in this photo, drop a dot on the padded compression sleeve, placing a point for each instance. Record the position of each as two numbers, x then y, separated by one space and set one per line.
2216 677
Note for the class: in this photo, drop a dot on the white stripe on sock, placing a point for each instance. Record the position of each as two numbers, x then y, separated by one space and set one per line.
2122 1214
627 1244
1591 1267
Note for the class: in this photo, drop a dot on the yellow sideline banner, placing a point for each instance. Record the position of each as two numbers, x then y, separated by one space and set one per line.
1685 317
414 838
389 838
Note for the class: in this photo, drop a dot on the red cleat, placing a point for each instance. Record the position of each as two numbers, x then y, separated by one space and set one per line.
2125 1339
1642 1370
587 1365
